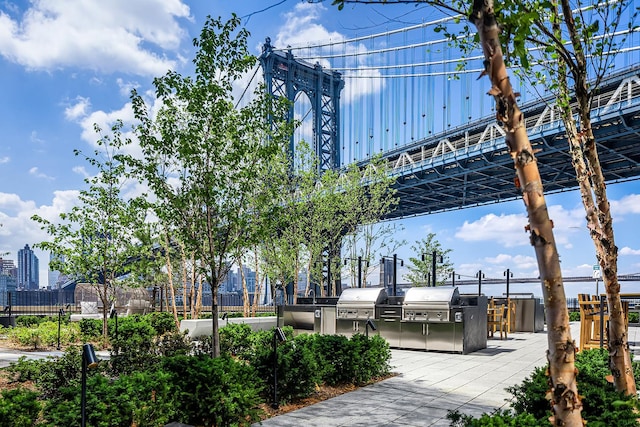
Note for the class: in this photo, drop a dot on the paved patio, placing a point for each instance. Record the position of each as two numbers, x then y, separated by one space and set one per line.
428 385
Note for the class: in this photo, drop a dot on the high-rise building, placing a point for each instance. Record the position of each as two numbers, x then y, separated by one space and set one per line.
28 269
54 275
7 267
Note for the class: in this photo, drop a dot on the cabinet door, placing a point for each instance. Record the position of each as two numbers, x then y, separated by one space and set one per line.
440 336
413 335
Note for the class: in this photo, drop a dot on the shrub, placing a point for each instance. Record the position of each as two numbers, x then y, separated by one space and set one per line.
334 358
602 405
235 339
162 322
19 408
133 349
497 419
574 316
90 329
28 321
26 336
371 358
297 368
142 399
218 392
173 344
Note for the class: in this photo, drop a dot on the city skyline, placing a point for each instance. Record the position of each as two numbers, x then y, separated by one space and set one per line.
53 97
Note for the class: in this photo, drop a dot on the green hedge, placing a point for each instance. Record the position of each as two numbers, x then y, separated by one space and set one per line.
602 405
155 375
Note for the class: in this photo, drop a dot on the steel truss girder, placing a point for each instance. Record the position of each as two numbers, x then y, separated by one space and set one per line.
286 77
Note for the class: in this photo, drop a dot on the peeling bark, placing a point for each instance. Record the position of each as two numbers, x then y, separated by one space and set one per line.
584 157
565 402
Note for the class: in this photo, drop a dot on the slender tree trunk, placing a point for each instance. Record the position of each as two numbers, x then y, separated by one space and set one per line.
170 281
183 256
565 401
295 281
199 297
258 289
599 222
245 291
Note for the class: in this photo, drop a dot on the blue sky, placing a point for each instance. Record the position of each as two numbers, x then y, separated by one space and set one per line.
67 65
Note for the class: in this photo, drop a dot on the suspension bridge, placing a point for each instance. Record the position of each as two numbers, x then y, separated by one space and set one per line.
409 97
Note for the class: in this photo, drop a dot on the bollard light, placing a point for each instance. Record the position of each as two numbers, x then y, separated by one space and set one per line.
368 325
89 361
278 336
60 314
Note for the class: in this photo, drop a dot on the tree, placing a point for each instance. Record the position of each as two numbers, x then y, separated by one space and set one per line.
206 161
374 199
577 50
97 240
421 269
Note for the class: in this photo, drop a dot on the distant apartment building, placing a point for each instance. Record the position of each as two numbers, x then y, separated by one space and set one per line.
28 269
8 267
55 277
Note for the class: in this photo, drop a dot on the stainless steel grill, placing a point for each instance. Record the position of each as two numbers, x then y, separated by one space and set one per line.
430 304
360 303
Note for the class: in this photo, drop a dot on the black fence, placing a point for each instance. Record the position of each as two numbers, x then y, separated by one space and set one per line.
45 302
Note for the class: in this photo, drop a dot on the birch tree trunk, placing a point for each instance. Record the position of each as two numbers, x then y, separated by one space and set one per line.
596 204
245 291
565 401
170 279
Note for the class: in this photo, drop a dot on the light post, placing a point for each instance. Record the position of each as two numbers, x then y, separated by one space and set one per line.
113 313
394 277
278 336
359 259
434 258
453 278
89 361
60 314
480 276
368 325
508 274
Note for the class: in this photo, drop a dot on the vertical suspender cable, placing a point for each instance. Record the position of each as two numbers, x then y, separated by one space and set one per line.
413 93
405 97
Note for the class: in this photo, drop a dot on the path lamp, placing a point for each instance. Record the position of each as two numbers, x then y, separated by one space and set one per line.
368 325
113 314
60 314
89 361
480 276
278 336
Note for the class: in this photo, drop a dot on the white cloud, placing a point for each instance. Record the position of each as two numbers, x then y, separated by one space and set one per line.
5 159
36 172
19 229
508 261
106 36
628 251
629 204
126 87
81 170
509 230
35 138
78 110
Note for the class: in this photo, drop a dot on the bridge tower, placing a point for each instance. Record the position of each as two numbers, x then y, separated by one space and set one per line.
285 76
